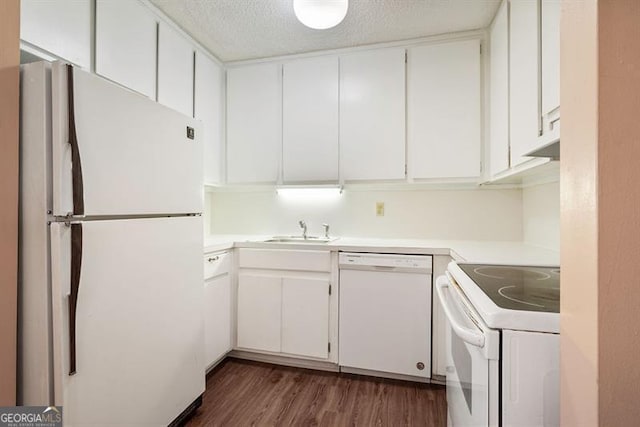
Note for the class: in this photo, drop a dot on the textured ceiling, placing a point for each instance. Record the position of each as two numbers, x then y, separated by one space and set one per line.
246 29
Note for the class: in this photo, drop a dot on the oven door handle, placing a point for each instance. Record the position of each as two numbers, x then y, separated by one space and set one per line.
466 334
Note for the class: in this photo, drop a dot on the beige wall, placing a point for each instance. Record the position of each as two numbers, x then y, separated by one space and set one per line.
600 212
541 215
429 214
9 111
619 212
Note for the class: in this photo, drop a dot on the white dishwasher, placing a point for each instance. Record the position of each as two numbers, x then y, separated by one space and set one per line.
385 315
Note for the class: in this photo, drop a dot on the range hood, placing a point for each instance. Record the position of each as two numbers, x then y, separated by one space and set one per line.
551 150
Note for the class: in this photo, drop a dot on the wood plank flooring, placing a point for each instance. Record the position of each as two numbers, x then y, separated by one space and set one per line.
244 393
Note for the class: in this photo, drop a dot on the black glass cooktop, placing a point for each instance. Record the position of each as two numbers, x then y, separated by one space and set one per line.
518 287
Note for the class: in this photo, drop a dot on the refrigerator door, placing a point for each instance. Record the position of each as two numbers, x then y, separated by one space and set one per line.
137 354
116 152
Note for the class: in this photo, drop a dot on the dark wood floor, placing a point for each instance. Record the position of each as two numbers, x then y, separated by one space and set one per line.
243 393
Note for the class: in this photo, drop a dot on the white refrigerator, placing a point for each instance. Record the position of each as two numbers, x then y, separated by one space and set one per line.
110 292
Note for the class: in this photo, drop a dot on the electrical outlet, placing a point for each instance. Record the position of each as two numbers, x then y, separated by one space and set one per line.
379 208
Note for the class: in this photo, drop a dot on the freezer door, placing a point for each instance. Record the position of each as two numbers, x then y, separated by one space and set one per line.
116 152
137 290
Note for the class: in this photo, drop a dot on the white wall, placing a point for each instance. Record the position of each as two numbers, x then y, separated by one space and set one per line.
206 214
541 215
430 214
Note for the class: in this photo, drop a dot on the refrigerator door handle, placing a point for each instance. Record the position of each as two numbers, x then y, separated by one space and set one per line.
76 268
76 164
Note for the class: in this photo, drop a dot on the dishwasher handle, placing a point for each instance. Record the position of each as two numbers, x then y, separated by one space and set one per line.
468 335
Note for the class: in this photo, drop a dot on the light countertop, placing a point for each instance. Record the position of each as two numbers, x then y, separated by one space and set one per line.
485 252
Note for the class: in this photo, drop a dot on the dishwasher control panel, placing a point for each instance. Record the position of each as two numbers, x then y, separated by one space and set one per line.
385 261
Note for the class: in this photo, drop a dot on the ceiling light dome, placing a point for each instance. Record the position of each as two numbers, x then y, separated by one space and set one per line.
320 14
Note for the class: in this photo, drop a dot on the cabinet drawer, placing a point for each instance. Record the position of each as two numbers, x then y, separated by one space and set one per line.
282 259
216 264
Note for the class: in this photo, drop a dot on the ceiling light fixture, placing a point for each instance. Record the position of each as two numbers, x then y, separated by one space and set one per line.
320 14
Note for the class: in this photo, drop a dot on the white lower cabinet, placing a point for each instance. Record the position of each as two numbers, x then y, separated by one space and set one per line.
217 307
281 314
259 312
282 308
305 316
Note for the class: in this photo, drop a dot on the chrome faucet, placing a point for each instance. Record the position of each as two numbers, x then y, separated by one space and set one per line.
326 230
303 225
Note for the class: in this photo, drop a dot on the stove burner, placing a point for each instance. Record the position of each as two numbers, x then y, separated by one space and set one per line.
510 273
502 290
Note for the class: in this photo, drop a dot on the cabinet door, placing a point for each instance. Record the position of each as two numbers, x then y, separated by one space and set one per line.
209 107
254 132
523 78
175 71
217 318
499 92
60 27
372 115
305 317
126 33
444 110
310 120
550 50
259 312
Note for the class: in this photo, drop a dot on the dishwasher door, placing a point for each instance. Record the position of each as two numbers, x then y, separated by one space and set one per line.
385 314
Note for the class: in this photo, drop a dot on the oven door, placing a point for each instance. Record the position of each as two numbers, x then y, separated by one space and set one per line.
472 365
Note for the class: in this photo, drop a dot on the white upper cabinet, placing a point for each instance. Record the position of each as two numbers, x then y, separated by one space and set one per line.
254 131
209 107
310 120
550 69
499 92
175 70
444 116
523 78
62 28
372 115
126 33
550 49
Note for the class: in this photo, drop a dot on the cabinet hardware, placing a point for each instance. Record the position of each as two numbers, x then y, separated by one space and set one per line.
328 347
420 366
329 289
215 258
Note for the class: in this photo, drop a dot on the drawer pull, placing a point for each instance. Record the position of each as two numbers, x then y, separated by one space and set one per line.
212 259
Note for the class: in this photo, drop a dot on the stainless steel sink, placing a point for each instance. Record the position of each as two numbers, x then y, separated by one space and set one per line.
299 239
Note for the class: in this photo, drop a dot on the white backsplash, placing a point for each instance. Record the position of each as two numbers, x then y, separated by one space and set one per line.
430 214
541 215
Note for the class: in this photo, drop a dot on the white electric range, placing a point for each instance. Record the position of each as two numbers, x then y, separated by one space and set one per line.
503 344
